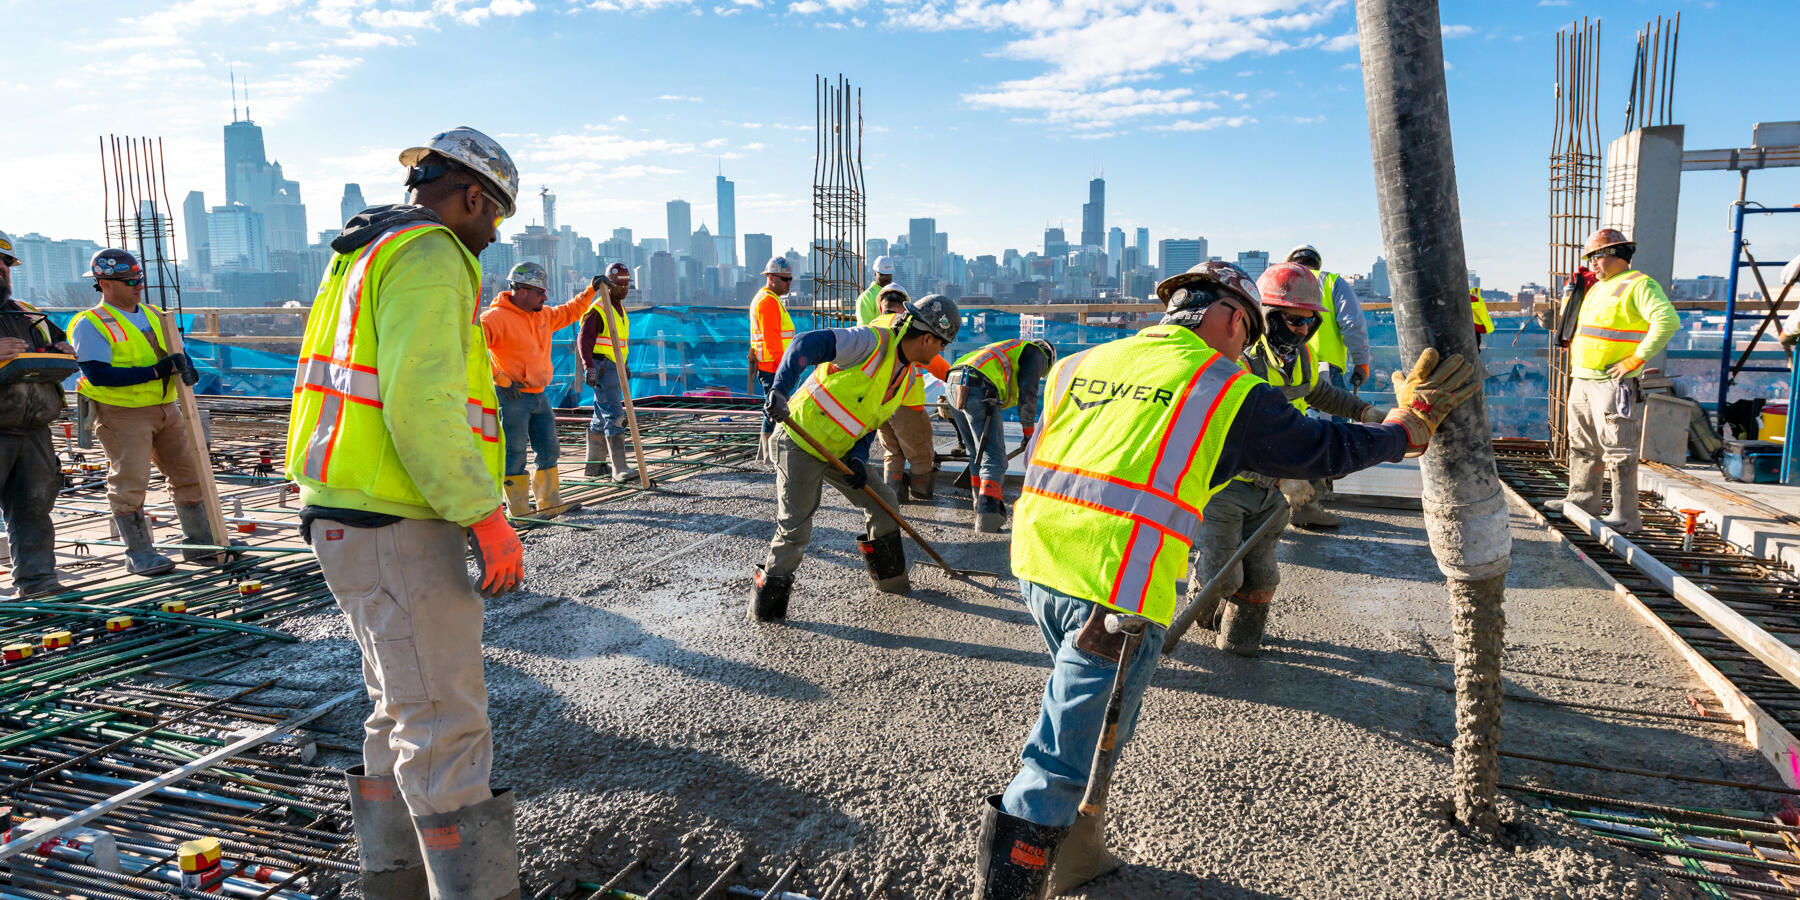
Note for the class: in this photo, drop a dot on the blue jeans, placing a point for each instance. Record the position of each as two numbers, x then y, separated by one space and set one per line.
768 381
609 403
527 417
1059 751
982 423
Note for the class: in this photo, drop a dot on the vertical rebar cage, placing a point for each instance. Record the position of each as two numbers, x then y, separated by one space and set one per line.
1575 182
838 211
136 212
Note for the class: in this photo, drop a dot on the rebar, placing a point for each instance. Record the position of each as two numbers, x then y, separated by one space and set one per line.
839 217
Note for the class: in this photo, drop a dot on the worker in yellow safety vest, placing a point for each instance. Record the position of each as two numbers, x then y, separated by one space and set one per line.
1137 435
984 383
1484 323
1624 322
906 436
603 373
860 377
395 443
771 331
868 303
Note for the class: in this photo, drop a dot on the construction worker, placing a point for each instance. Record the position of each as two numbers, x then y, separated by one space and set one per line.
1341 345
1292 312
906 438
1137 436
1625 321
128 380
518 328
985 382
1484 323
771 331
601 372
862 375
30 475
395 443
1788 335
868 305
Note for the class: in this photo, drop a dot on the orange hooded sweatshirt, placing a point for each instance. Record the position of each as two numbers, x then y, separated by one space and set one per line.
519 341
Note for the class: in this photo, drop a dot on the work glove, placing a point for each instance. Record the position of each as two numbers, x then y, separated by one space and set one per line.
498 554
190 376
1425 398
1372 415
598 284
1624 367
163 368
590 376
1789 339
775 406
1359 376
858 475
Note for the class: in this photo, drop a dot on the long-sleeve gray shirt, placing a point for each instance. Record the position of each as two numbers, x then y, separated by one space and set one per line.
1351 326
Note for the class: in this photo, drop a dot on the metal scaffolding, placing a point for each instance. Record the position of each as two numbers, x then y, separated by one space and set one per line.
838 212
136 212
1575 178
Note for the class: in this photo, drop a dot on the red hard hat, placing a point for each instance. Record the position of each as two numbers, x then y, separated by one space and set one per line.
1290 285
618 273
1604 238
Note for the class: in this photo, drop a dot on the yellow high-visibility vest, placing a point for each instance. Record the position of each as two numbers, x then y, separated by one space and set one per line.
915 392
999 364
1327 344
602 346
337 436
1122 466
838 406
1484 323
130 348
1263 362
1609 328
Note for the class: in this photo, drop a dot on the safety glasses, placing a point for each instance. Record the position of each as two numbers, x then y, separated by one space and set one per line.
130 282
1303 324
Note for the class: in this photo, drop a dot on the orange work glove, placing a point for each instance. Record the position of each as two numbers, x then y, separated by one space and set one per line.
498 554
1359 376
1624 367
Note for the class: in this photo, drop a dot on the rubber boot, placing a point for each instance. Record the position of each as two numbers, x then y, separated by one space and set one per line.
615 450
1241 627
42 588
923 487
518 495
769 595
471 853
1083 856
596 456
897 483
990 514
546 484
1311 515
33 552
886 560
140 557
195 529
1014 855
1626 518
1207 616
387 848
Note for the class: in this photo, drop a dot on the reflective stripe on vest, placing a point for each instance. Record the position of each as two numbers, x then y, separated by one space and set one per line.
1609 328
765 347
1326 343
1122 467
915 392
338 410
41 326
838 406
602 346
130 348
999 364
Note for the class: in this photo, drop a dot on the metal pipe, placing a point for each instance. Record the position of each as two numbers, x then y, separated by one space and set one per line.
1421 223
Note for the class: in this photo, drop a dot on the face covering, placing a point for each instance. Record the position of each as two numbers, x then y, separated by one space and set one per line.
1286 340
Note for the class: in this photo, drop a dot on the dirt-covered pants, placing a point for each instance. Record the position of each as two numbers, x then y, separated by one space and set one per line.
906 438
1600 435
29 479
1232 516
417 619
134 437
799 477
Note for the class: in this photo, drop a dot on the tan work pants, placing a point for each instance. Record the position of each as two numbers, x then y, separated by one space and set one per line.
1599 435
135 436
906 438
417 619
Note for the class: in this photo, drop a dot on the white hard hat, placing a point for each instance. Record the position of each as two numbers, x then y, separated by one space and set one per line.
884 265
8 250
1305 248
479 152
778 265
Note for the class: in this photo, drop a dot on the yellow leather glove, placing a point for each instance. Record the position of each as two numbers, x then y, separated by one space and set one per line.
1424 399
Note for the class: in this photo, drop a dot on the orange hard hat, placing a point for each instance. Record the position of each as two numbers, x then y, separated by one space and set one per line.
1603 238
1290 285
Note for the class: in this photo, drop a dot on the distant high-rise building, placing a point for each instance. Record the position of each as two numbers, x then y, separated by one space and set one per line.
622 234
702 247
1115 250
1128 262
1177 255
235 235
727 192
253 181
193 229
1253 262
758 250
1093 214
1474 281
352 203
1055 245
920 236
681 227
1378 278
663 278
1143 246
940 251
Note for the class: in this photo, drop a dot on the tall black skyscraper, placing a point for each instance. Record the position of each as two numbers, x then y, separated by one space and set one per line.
1093 215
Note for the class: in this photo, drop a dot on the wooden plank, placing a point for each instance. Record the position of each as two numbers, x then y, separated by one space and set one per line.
190 412
612 337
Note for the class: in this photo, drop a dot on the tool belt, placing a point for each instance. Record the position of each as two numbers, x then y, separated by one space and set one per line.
1095 639
961 385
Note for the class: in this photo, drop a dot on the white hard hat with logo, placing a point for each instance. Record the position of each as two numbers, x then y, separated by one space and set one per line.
480 153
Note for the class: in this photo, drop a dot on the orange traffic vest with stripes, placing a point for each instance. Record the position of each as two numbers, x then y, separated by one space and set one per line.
1121 467
337 437
838 406
1609 328
999 364
771 330
130 347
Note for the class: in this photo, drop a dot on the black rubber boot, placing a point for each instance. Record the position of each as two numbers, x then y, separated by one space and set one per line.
886 560
897 484
1241 628
387 848
1208 615
141 557
922 487
595 467
769 595
195 529
471 853
1013 858
990 514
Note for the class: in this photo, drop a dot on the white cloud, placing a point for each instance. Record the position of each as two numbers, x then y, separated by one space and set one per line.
1340 43
1206 124
397 18
1456 31
475 14
366 39
172 26
679 98
1095 109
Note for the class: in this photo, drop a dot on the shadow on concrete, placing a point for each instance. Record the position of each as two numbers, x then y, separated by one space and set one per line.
884 640
1134 882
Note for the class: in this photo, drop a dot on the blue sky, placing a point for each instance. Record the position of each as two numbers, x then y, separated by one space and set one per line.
1238 120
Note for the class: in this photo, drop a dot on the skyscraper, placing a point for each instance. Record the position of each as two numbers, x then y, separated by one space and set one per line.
758 250
1378 278
702 248
1253 262
663 278
352 203
1055 245
1143 246
1093 215
920 236
250 179
727 233
681 227
1115 250
1177 255
235 233
193 229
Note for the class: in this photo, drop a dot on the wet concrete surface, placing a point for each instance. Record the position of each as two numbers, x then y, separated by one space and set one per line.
636 710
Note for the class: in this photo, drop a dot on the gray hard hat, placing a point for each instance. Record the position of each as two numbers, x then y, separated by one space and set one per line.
530 273
935 314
